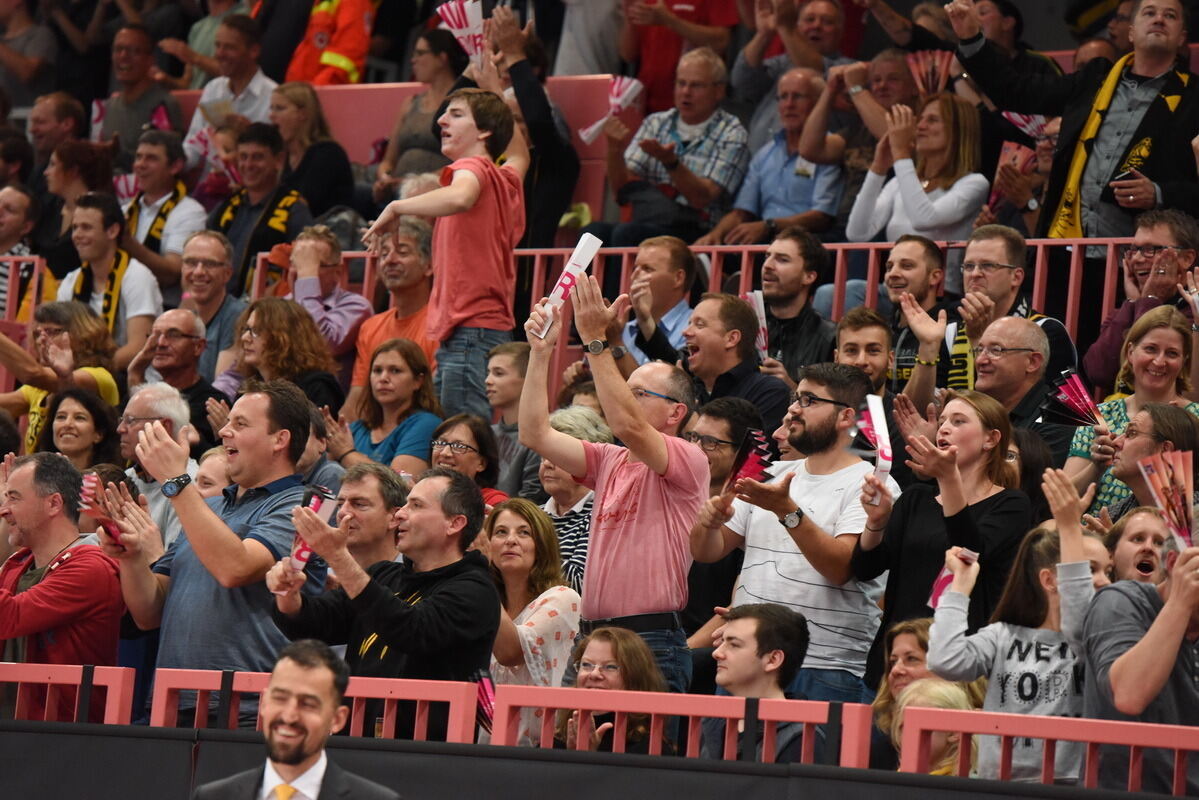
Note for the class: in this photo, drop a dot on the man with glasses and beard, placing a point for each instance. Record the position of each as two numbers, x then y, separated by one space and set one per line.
303 705
798 531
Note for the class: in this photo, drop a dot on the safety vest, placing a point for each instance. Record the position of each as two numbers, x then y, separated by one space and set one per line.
335 43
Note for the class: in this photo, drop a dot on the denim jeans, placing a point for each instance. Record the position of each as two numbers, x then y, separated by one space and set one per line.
855 295
673 657
462 370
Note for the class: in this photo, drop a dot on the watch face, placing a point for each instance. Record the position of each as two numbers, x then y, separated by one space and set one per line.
595 346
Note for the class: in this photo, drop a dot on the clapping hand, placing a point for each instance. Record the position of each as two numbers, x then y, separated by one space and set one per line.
928 459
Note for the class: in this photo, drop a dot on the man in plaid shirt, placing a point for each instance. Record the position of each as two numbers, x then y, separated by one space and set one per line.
683 166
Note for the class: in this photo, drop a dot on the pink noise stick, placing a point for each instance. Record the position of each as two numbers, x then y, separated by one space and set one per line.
576 267
324 504
92 487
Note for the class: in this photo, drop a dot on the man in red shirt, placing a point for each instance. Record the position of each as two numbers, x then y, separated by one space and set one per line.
60 598
654 33
480 215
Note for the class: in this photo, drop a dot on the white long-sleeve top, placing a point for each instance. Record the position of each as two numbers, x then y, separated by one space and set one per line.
902 206
1030 671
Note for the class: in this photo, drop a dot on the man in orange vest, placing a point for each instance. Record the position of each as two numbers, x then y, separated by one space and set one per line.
335 43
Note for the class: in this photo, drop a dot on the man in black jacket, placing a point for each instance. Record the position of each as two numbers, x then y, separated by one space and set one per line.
433 617
1124 145
796 333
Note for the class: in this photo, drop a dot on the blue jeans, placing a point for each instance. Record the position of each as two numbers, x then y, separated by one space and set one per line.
673 657
462 370
830 685
855 295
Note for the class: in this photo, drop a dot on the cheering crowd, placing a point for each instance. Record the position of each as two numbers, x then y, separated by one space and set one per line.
698 509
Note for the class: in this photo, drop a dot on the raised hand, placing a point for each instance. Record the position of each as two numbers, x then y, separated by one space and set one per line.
593 315
1103 447
218 414
928 330
877 514
765 20
910 422
285 581
901 130
716 511
161 455
977 311
340 440
538 316
963 16
965 573
772 497
140 536
928 459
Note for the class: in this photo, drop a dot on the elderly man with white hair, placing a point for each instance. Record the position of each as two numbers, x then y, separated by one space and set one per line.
150 402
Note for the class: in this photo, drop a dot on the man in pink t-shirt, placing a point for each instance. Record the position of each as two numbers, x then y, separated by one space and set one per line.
647 494
480 217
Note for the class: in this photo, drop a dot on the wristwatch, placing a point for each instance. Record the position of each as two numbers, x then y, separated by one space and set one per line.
175 485
772 227
791 521
855 89
597 346
1031 205
619 351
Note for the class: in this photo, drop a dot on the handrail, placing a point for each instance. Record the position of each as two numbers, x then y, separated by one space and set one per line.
117 682
920 723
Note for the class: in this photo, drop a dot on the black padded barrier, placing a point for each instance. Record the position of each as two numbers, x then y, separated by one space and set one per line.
117 762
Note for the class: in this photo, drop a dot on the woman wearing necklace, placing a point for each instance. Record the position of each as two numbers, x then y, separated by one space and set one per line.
936 191
971 505
398 414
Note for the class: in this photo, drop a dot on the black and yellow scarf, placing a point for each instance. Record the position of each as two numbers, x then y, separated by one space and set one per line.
269 229
1067 219
153 239
112 291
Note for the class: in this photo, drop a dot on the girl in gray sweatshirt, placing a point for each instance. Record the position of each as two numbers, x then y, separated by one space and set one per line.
1031 666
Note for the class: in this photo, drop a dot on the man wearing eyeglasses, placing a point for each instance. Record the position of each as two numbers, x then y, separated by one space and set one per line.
315 275
799 528
207 267
1163 250
718 427
647 494
172 355
992 274
1010 360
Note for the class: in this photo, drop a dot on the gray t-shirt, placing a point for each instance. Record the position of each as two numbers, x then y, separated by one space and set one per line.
33 42
220 331
205 625
1119 617
128 119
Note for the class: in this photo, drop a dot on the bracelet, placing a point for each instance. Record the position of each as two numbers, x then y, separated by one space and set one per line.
876 530
855 89
339 458
1194 328
924 363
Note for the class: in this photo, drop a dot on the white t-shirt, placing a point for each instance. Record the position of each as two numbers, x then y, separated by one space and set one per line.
140 297
842 620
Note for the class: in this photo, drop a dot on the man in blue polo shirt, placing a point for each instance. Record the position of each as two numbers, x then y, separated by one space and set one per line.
207 591
782 189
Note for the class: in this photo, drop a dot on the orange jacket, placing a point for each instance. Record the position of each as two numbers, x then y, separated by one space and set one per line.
335 44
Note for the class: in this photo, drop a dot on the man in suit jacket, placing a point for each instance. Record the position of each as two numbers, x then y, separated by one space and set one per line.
301 708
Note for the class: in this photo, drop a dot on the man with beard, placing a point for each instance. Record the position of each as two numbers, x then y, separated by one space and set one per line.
798 531
795 332
302 707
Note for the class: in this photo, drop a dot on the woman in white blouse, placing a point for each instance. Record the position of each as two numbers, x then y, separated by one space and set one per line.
936 191
541 613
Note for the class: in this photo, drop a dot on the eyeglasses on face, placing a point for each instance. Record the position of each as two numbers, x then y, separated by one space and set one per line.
640 393
455 447
985 267
805 400
129 421
705 442
998 350
1148 250
607 669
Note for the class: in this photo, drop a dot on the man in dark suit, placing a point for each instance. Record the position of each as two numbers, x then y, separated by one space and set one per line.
301 708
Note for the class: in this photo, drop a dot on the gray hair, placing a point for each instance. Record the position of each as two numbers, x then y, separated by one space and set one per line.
415 183
583 424
711 59
419 231
166 402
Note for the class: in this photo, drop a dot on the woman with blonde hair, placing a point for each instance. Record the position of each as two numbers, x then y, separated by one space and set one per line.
1155 363
69 347
971 504
906 647
397 414
541 613
944 747
316 166
279 340
937 191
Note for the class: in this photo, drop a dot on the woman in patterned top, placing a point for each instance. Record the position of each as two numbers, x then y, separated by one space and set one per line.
541 613
1156 363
